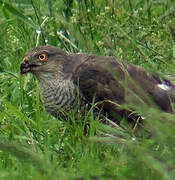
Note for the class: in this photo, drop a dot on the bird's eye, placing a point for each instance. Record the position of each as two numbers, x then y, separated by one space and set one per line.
42 57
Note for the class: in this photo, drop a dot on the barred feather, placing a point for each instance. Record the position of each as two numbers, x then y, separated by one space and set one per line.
60 96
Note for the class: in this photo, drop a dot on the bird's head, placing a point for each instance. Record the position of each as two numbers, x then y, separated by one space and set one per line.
43 60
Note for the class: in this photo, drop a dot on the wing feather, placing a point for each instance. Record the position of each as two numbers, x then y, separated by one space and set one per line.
117 83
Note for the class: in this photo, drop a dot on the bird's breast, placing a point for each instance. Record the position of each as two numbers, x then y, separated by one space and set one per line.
61 97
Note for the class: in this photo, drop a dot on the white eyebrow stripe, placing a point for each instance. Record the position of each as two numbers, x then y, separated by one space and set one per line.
164 87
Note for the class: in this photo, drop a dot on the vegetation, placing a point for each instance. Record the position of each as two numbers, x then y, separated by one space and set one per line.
34 145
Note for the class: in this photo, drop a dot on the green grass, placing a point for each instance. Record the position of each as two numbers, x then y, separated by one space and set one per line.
34 145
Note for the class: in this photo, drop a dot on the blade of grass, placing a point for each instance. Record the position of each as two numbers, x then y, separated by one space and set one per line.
19 114
22 153
17 14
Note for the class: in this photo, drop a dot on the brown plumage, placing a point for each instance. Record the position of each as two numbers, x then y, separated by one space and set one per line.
72 81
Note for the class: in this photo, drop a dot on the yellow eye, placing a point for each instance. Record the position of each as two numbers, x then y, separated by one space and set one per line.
42 57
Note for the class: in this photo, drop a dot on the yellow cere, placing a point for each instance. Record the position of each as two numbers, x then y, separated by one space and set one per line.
26 59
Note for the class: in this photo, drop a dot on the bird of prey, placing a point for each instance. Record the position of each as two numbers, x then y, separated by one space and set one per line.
73 81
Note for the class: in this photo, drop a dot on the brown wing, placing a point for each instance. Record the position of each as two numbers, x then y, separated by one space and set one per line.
95 79
101 78
107 78
113 82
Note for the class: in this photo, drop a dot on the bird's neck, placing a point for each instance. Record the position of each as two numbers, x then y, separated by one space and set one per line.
46 76
54 81
54 84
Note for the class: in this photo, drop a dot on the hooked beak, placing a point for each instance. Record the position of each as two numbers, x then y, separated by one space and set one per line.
26 67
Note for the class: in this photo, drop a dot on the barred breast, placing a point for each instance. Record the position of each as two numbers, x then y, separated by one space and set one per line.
60 97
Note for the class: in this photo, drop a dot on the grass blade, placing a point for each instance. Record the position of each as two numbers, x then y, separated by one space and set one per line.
18 14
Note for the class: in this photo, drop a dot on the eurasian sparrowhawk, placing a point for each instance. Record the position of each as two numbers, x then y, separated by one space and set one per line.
71 81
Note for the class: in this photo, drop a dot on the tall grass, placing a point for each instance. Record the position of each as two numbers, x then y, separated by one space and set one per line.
34 145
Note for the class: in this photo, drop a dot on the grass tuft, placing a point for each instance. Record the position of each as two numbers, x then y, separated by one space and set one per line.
34 145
